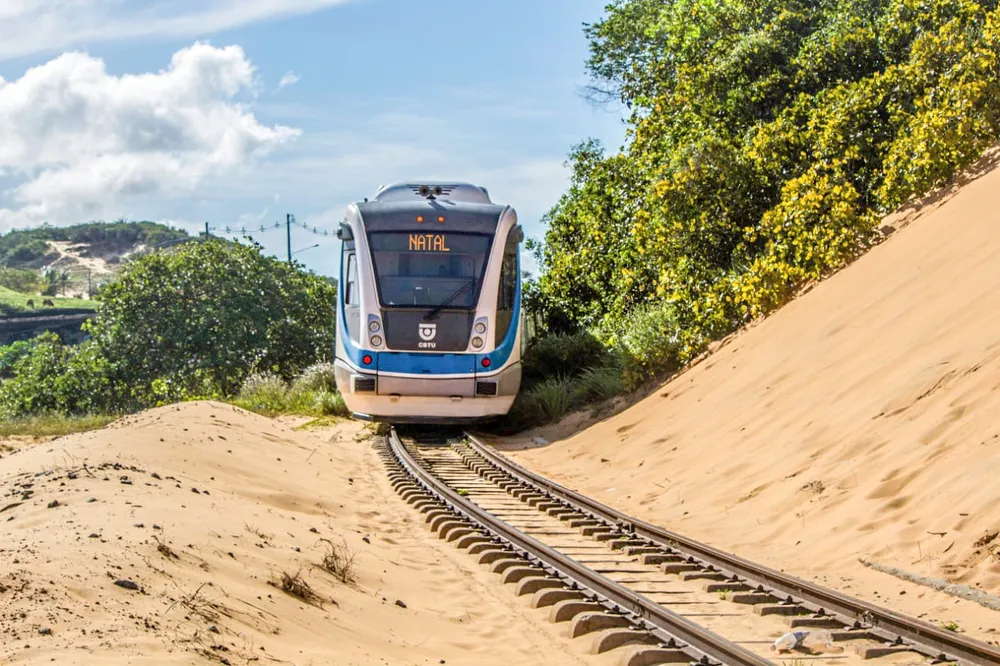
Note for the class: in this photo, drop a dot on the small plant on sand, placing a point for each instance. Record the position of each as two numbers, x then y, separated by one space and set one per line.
723 594
952 626
295 586
164 549
463 492
257 533
339 561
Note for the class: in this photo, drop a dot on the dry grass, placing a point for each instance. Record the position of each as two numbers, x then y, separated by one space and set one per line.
165 550
339 561
295 586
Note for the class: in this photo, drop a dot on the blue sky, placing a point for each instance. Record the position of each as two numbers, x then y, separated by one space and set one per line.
375 91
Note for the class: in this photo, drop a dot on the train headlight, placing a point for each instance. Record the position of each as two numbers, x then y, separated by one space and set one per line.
477 342
376 340
374 326
480 328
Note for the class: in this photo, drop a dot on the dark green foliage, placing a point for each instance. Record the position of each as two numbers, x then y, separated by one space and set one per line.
10 354
202 317
561 356
52 378
191 322
765 141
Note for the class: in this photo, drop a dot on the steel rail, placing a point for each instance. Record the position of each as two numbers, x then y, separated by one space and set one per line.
674 630
895 628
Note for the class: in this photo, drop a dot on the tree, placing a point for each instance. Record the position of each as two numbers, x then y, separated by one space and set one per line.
197 319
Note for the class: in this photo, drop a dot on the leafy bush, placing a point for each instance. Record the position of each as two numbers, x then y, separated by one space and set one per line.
20 280
766 139
212 313
598 384
268 394
330 403
547 401
561 355
10 354
192 323
264 393
317 377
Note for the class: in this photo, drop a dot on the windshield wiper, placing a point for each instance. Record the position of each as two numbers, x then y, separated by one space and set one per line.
433 313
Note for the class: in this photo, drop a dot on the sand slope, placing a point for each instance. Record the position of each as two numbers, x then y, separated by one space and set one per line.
862 420
238 500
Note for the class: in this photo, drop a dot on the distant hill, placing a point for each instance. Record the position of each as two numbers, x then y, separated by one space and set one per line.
109 241
89 253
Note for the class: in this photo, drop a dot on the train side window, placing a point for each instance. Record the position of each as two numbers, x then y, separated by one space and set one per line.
507 287
351 292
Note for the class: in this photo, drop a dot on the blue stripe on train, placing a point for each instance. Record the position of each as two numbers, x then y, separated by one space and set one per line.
427 364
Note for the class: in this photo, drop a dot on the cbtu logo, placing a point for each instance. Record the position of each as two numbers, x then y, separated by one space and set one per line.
427 333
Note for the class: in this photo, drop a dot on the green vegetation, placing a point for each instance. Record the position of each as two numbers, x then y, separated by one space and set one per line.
766 140
313 393
193 322
20 279
53 425
27 248
13 301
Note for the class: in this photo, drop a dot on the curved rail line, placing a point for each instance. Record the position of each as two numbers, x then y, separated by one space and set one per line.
897 631
675 632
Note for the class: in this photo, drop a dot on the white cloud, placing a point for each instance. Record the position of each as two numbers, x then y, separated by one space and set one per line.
44 26
84 141
289 79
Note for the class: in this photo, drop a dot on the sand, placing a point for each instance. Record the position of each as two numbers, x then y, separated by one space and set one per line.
199 506
860 421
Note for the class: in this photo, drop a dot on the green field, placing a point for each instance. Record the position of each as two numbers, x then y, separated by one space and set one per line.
17 301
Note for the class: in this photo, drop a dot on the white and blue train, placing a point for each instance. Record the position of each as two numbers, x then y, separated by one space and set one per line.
429 319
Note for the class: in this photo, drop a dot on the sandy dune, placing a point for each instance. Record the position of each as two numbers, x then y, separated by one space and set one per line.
860 421
236 500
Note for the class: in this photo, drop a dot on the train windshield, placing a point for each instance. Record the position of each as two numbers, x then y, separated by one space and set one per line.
420 269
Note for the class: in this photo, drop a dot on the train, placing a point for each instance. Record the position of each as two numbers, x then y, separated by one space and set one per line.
430 327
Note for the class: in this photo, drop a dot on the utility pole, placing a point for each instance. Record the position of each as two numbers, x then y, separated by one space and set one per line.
288 225
206 231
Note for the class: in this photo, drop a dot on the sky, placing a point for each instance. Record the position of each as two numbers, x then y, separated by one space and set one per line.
239 112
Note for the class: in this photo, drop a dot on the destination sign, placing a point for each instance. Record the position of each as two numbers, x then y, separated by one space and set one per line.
428 243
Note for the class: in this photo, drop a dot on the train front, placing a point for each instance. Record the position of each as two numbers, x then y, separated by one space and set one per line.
429 317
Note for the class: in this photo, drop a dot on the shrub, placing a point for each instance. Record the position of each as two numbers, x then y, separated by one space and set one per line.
548 401
766 138
330 403
317 377
264 393
19 280
10 354
561 355
598 384
648 340
214 313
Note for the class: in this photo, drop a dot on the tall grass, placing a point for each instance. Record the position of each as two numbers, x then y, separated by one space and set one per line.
53 425
311 394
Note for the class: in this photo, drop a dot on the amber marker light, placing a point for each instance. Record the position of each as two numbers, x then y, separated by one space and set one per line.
441 219
420 218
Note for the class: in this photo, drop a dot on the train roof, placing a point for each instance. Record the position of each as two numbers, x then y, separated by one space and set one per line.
441 191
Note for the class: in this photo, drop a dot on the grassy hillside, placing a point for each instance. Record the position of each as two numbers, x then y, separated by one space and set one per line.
13 301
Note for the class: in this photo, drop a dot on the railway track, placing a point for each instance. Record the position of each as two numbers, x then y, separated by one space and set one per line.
655 596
